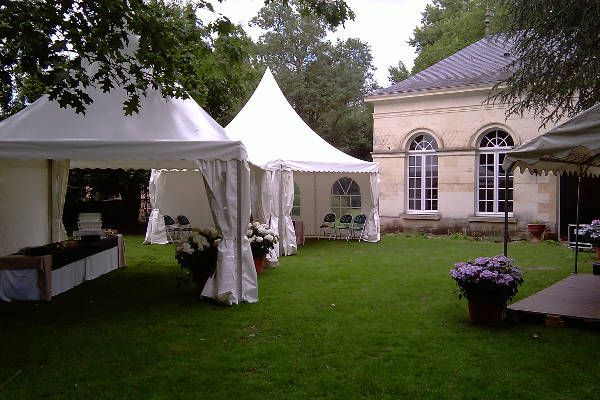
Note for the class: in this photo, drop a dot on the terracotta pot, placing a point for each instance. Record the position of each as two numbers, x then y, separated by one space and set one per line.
485 313
259 263
536 230
598 252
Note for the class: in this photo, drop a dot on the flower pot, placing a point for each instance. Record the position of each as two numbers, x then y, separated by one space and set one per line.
200 278
536 230
488 314
259 263
598 252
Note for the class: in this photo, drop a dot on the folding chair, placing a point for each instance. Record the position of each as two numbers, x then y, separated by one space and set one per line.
171 228
344 225
358 225
328 226
184 226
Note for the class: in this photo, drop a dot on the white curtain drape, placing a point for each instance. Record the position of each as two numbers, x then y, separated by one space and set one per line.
59 180
261 206
372 229
282 201
228 190
289 234
156 232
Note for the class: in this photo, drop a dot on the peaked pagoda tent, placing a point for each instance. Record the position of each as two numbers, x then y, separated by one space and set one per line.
39 144
284 150
572 147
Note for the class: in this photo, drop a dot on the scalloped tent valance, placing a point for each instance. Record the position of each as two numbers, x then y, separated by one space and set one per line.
572 148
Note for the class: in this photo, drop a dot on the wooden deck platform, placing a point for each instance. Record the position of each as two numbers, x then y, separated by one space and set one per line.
576 296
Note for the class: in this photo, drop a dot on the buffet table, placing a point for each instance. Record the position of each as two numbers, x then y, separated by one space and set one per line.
39 273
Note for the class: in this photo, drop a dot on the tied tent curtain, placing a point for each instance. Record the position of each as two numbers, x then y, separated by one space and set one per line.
289 235
372 229
228 190
261 206
59 171
156 232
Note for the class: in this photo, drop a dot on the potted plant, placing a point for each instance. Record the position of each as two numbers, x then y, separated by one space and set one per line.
262 240
591 233
488 283
537 229
197 255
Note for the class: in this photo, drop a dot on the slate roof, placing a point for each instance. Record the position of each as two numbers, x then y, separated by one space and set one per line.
482 62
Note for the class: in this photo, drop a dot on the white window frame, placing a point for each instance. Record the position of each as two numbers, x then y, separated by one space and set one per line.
353 210
421 154
496 152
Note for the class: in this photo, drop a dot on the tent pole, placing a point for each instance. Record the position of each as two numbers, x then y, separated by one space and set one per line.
238 241
50 201
506 173
281 225
577 222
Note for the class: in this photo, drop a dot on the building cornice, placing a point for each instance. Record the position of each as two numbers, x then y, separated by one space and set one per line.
486 87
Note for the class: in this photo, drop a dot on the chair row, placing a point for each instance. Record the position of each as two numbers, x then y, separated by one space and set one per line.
354 228
177 229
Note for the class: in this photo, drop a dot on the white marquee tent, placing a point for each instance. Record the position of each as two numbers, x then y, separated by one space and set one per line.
284 150
39 144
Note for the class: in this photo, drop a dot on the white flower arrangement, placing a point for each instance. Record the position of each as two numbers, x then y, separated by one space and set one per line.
262 238
198 253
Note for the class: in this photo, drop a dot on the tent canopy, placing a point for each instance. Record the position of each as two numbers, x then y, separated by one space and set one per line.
277 138
572 147
164 130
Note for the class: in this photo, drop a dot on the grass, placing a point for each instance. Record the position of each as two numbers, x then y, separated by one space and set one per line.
339 321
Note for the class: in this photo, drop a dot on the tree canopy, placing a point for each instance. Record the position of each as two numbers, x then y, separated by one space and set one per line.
397 73
324 81
448 26
558 68
48 46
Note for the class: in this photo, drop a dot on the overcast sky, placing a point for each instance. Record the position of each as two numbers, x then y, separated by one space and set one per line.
386 25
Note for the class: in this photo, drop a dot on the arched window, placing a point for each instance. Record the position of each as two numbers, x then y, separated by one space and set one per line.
422 174
491 179
296 207
345 197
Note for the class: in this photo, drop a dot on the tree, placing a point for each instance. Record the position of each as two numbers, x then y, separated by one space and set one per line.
448 26
556 74
397 74
324 82
47 46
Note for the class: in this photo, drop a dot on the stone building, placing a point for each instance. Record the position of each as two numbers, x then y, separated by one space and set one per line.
440 146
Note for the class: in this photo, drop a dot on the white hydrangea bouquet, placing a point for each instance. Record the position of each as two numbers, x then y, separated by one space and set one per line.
197 254
262 238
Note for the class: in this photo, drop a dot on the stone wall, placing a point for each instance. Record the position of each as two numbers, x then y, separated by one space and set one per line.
457 119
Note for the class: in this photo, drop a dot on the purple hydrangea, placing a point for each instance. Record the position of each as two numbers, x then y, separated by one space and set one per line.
490 278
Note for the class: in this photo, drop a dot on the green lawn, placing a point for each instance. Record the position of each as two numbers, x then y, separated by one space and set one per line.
339 321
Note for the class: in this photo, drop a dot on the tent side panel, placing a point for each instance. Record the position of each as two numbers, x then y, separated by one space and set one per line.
24 208
322 198
184 193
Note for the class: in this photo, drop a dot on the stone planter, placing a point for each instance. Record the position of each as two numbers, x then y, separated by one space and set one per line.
536 230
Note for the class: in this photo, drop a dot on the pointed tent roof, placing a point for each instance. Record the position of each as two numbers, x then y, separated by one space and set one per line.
163 130
276 137
572 147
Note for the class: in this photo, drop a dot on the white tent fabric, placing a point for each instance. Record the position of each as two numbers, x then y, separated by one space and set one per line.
277 139
166 133
261 206
372 223
224 181
572 147
60 176
155 232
